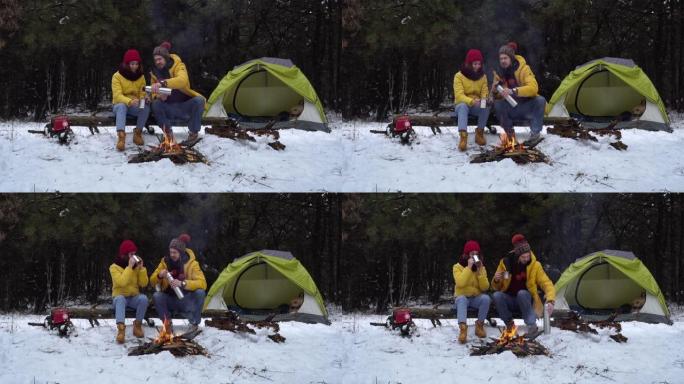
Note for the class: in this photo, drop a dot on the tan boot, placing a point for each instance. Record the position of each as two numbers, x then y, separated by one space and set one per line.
120 333
479 137
121 143
463 335
137 137
479 329
463 144
193 136
137 329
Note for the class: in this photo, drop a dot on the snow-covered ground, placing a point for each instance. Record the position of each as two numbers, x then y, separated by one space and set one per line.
348 351
350 159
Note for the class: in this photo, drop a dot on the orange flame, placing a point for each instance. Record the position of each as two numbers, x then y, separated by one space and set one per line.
165 334
508 335
169 145
509 143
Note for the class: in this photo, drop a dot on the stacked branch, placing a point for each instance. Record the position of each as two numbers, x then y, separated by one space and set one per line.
235 324
178 346
574 323
573 129
235 132
521 154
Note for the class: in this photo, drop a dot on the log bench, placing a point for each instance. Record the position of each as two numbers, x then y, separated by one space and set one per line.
436 122
94 122
436 314
94 314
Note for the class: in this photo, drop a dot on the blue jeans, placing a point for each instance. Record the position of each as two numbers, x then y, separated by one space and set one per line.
121 110
121 302
190 111
506 303
190 306
480 302
462 112
530 109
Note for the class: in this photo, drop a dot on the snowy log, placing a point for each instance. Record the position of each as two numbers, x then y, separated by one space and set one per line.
104 121
446 121
108 313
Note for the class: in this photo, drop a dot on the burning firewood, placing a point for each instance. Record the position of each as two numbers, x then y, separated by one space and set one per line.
510 341
574 323
168 148
509 148
234 324
177 345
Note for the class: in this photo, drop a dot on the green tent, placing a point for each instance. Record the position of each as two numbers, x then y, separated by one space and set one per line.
609 281
601 90
263 283
265 89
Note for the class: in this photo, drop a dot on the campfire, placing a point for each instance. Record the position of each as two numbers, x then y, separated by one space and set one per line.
510 148
510 341
168 148
234 324
178 345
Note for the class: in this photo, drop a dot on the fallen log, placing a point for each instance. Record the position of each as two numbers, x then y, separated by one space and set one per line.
95 314
448 121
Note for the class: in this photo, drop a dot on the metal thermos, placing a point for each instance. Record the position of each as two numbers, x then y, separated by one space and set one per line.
178 291
142 103
483 103
547 321
162 90
508 98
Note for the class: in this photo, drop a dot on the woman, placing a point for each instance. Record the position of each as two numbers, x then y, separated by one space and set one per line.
128 276
470 89
128 85
470 277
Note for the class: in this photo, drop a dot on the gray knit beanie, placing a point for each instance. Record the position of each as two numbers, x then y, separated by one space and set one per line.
177 245
507 50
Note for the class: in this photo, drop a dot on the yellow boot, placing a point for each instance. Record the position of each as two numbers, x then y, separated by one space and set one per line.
137 137
137 329
463 144
479 137
121 143
479 329
120 333
463 335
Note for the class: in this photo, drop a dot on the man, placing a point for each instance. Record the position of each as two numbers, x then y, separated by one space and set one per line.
516 281
518 81
183 103
188 276
470 290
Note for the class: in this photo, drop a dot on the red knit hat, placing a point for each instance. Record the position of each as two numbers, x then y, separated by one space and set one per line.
474 55
131 55
513 45
126 247
517 238
471 245
184 237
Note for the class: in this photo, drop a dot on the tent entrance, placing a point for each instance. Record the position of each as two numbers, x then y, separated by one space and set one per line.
602 287
260 94
602 95
261 287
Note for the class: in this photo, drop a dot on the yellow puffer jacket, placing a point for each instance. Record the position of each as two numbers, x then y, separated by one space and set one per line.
535 277
193 274
469 283
124 90
466 90
527 82
127 281
179 77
